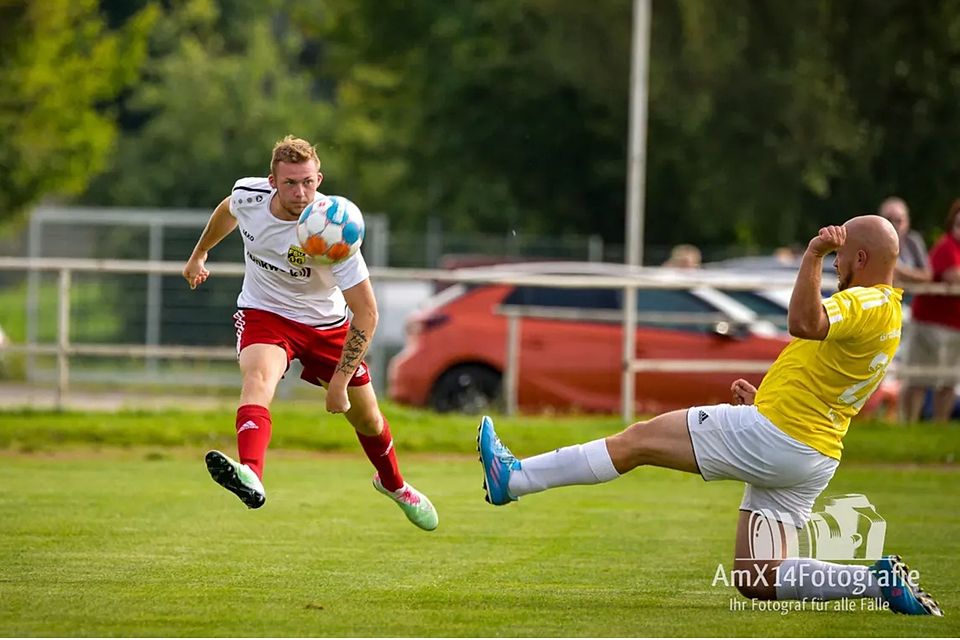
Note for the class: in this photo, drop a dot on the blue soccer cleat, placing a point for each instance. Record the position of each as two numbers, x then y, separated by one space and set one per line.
899 592
497 463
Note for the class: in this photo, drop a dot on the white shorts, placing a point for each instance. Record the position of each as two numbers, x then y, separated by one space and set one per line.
738 443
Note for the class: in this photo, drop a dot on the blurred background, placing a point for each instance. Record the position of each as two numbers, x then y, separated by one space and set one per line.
469 132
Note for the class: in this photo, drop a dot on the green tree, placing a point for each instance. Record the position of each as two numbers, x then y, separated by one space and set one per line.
766 119
901 63
212 104
465 115
514 114
58 65
751 124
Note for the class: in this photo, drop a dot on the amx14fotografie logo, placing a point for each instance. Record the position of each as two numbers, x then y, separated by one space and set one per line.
848 528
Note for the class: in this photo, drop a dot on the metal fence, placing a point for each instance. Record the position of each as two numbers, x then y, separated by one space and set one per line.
153 307
63 345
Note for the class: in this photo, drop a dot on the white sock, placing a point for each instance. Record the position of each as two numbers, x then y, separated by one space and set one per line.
580 464
806 578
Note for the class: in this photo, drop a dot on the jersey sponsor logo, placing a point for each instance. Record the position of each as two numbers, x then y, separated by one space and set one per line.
701 417
360 371
247 234
296 256
301 272
263 264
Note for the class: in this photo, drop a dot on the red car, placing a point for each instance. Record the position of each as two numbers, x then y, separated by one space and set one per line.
455 354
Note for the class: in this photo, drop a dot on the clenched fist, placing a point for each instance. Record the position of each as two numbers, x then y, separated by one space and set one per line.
743 392
829 239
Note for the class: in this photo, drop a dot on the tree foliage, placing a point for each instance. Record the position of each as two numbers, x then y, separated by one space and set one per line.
59 64
213 100
767 119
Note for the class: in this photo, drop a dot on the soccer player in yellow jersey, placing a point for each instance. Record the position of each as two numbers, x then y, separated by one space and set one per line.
784 440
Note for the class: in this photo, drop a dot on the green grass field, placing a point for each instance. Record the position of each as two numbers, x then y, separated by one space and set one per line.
111 526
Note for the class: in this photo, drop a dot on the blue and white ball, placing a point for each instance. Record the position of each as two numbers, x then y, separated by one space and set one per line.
330 229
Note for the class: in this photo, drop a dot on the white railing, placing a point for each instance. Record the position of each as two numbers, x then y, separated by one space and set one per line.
638 278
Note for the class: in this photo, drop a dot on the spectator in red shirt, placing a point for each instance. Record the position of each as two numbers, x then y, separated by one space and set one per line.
935 336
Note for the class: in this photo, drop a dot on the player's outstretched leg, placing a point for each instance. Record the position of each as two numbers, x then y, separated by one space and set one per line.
899 592
497 462
236 477
505 478
415 505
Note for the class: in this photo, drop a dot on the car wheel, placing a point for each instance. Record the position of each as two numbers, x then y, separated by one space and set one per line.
467 389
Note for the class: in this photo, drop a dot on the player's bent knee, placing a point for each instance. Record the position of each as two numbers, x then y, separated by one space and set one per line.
258 387
640 444
632 447
366 422
258 382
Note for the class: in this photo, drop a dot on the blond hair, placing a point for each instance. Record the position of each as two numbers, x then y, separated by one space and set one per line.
293 150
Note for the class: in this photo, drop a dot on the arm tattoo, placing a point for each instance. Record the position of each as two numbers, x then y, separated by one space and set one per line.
354 348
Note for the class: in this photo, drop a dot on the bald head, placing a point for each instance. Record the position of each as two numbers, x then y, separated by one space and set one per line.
869 255
875 235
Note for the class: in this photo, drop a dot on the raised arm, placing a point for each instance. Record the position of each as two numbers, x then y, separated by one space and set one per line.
363 304
219 226
806 317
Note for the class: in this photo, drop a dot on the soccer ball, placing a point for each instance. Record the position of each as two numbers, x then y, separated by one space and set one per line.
330 229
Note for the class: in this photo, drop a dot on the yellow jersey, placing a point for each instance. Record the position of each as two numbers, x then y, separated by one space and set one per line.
816 386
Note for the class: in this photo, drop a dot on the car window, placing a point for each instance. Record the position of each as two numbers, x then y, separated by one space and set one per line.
765 308
568 298
649 301
758 304
674 301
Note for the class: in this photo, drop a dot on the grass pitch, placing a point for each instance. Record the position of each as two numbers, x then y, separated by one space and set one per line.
140 542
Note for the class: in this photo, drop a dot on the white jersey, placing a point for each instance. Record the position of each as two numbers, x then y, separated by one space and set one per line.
279 277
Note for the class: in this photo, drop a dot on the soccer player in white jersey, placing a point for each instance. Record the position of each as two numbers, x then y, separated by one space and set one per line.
783 440
288 307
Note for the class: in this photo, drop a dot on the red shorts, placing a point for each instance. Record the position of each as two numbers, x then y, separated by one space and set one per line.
318 350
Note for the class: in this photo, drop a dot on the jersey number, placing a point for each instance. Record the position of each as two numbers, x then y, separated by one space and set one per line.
857 395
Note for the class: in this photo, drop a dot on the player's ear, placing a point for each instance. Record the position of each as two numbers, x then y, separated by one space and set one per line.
319 177
272 181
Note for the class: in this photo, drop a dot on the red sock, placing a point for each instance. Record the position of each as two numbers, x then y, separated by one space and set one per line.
253 435
380 452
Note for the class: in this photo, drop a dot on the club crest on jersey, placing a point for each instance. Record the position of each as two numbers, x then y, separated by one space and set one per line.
296 256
